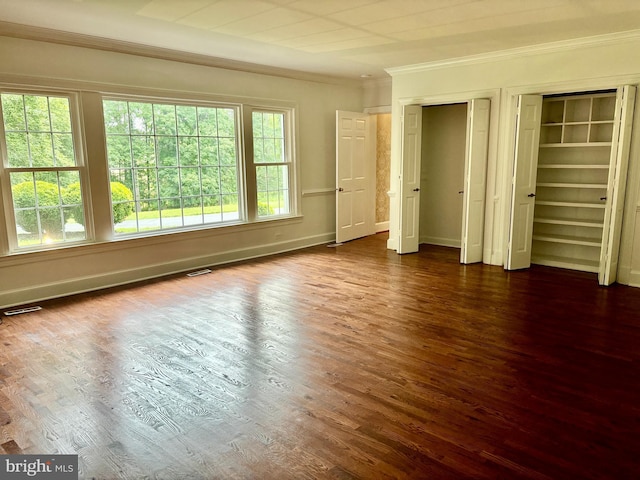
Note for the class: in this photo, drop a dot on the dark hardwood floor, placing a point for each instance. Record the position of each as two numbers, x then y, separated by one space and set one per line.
344 363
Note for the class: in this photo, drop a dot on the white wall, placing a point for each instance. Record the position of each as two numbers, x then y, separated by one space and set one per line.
590 64
30 277
444 129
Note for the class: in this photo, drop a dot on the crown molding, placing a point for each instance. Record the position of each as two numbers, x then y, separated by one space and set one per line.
552 47
42 34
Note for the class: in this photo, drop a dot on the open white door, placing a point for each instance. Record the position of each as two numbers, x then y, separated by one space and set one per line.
410 179
610 250
355 176
475 180
524 181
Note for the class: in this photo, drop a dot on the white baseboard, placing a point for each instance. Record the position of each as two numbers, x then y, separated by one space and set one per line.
382 227
84 284
443 242
633 279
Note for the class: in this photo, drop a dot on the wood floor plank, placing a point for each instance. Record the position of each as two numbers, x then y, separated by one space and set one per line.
350 362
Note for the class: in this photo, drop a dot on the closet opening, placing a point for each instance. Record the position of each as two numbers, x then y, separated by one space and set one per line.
443 177
442 174
569 181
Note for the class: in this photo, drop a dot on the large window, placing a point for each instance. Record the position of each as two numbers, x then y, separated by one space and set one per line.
162 165
171 165
41 170
272 162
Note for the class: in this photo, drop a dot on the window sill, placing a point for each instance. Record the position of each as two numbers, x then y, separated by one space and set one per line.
136 240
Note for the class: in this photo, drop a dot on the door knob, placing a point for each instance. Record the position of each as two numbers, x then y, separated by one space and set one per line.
531 195
416 189
339 189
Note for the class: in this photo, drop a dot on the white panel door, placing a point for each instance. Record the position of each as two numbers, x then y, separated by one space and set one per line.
410 179
524 181
355 176
616 185
475 180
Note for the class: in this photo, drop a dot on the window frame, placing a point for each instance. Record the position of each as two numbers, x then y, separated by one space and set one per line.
290 161
189 102
9 243
89 141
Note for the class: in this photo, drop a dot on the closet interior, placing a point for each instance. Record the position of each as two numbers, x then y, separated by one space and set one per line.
574 162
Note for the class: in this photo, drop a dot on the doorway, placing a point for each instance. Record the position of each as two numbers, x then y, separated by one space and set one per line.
442 174
571 157
475 145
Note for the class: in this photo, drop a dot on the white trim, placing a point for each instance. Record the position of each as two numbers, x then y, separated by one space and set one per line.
43 34
492 246
382 226
441 241
10 298
452 98
634 278
312 192
560 46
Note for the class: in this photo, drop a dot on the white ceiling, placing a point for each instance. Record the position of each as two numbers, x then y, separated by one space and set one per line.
345 38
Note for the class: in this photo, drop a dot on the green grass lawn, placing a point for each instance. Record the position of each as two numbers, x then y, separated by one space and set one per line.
178 212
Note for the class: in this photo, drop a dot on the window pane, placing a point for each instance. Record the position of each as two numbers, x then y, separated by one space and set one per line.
211 180
227 151
13 113
230 207
63 150
167 152
37 110
207 124
169 182
174 176
269 148
116 116
268 137
143 151
41 148
141 118
48 207
17 150
146 184
190 182
226 122
60 119
208 151
187 120
47 202
30 122
122 204
119 151
193 214
188 150
273 190
164 117
228 180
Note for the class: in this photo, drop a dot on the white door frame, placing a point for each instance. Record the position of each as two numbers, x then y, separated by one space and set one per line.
493 177
506 159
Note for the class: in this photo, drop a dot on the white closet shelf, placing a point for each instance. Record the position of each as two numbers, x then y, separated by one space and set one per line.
585 122
570 204
572 185
569 240
576 144
571 223
581 166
